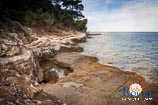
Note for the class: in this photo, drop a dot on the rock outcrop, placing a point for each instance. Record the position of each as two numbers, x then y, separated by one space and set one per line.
92 83
33 68
48 46
20 71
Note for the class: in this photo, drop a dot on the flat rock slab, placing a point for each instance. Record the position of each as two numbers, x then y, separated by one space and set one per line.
72 84
94 84
67 59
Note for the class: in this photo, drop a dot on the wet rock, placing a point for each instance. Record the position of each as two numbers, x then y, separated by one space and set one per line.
72 49
79 39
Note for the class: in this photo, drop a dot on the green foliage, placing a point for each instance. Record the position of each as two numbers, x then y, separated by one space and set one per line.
38 18
80 25
6 36
45 12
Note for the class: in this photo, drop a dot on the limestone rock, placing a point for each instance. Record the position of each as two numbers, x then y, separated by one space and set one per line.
19 65
8 48
17 89
48 46
50 76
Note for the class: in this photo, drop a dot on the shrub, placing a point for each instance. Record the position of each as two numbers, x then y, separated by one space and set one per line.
80 25
38 18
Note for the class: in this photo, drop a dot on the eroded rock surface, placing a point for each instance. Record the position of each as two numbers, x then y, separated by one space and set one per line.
88 82
20 70
94 84
8 48
48 46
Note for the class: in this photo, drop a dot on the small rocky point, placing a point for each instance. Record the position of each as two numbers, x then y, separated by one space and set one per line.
92 83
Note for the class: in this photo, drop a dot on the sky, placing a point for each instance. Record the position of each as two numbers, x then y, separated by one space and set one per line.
121 15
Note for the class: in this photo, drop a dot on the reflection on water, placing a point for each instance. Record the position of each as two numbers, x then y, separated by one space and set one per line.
137 52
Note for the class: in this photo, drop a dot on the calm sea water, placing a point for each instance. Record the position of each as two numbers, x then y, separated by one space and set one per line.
136 52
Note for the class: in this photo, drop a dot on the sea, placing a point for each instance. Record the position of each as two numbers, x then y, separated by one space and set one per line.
128 51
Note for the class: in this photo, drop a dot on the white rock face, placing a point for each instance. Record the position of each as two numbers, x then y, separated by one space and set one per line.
8 48
20 70
24 58
49 45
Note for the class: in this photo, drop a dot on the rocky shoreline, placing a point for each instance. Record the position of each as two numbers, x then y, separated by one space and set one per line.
20 69
92 83
50 70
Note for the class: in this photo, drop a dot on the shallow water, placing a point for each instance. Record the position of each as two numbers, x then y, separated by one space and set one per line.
136 52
